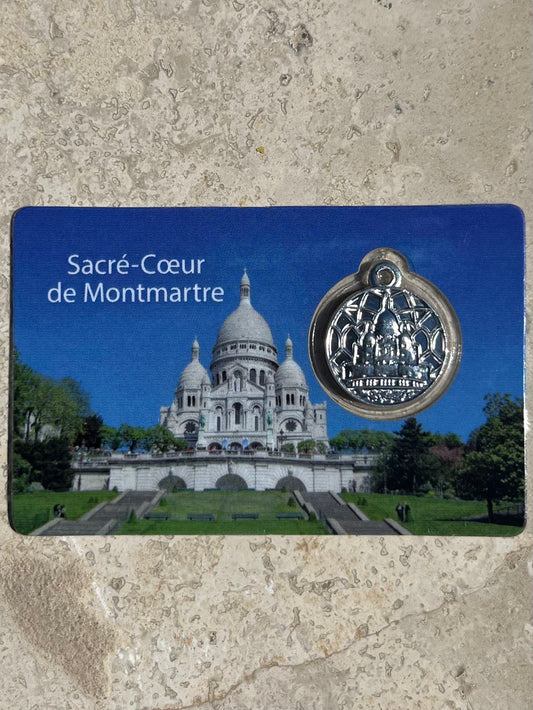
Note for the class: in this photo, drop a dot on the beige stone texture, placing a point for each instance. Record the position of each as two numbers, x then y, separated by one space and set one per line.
230 102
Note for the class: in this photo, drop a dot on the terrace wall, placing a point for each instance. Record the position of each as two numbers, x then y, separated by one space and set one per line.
200 471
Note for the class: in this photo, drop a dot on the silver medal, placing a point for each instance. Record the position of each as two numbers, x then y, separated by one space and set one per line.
385 343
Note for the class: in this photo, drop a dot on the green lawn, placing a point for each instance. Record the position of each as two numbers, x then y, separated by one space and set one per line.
432 516
222 504
31 510
429 516
237 527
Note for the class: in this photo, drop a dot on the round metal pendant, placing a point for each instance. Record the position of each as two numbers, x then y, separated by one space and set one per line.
385 343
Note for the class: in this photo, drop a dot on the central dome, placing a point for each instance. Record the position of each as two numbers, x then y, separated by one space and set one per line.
387 324
245 323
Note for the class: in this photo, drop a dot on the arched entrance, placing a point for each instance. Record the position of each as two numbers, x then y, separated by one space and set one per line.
231 482
171 483
291 483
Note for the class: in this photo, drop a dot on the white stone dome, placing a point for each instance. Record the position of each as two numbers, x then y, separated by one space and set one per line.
289 373
193 375
245 323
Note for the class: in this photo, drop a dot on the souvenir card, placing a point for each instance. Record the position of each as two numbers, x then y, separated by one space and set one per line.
299 370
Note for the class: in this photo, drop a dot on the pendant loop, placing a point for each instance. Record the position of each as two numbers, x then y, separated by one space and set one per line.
385 343
386 274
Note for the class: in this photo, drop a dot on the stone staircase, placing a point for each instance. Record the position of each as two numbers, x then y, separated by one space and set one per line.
105 518
345 518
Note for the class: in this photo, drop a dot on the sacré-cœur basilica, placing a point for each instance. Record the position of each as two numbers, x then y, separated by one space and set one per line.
249 401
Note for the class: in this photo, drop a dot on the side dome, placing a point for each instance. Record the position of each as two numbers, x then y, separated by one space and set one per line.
245 323
193 375
289 373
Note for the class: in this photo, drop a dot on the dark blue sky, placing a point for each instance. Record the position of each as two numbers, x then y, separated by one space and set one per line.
129 356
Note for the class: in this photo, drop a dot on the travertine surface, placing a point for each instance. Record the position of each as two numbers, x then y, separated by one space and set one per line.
222 102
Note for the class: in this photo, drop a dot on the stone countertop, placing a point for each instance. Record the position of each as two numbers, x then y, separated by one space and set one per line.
166 103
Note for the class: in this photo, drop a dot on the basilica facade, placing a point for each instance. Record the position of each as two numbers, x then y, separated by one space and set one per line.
247 401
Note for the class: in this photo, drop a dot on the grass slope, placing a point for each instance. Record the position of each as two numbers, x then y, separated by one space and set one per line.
431 516
222 504
237 527
31 510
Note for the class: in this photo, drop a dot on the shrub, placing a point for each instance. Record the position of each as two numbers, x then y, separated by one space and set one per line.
19 485
291 502
312 517
307 446
21 467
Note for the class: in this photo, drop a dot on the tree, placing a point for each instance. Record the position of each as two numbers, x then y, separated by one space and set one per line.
92 432
307 446
47 418
409 463
339 442
78 396
21 472
448 450
363 440
44 407
321 447
64 406
33 401
72 407
493 467
111 438
25 385
450 440
49 460
161 439
180 445
131 436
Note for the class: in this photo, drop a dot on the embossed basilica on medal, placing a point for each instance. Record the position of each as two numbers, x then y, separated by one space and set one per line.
385 346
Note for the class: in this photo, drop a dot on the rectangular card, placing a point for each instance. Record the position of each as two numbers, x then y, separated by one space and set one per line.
161 380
